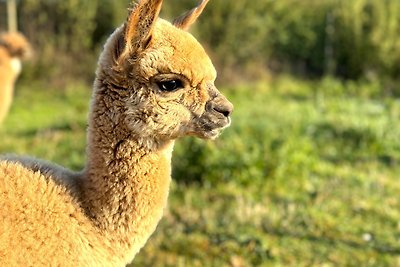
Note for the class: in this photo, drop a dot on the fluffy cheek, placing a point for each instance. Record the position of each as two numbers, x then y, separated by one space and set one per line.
160 120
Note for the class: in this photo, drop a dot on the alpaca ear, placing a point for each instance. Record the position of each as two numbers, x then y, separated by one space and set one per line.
186 20
140 24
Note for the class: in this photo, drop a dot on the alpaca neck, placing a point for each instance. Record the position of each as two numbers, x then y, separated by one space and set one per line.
125 183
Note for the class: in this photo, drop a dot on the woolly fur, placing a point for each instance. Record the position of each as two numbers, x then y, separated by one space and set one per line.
103 215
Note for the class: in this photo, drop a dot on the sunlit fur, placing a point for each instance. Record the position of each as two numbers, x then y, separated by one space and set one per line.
104 214
13 48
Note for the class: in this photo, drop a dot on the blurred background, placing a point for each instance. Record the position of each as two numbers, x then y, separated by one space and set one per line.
308 173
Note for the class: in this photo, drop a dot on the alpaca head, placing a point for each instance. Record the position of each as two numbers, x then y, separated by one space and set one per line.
16 45
162 76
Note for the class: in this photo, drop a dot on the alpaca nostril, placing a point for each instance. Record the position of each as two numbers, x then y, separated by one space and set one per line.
225 110
220 105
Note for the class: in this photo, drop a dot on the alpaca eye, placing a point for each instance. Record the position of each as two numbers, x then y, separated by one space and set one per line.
171 85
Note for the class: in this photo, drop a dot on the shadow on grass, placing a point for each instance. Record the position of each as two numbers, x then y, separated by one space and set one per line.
351 144
334 242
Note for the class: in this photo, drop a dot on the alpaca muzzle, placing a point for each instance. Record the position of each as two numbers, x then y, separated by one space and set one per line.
221 109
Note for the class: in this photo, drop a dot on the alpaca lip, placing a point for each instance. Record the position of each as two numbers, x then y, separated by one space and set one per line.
228 123
225 123
220 124
213 133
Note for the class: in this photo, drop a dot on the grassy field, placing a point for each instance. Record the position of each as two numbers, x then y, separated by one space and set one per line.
308 174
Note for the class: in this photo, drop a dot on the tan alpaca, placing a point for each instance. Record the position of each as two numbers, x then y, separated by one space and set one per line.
13 48
154 83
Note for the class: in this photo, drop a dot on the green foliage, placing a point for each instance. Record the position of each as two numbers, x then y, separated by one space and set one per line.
109 15
350 39
66 36
357 38
48 124
367 37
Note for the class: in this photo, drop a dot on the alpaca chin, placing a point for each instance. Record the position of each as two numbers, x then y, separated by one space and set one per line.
16 65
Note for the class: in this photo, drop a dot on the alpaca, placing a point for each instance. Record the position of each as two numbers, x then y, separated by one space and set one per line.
154 83
13 48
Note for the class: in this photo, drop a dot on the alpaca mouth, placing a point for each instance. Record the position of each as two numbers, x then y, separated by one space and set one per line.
213 134
213 130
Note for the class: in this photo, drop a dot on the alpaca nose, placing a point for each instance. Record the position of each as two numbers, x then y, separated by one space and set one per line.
225 108
221 105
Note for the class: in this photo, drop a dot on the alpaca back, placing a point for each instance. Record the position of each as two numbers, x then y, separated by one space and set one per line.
39 217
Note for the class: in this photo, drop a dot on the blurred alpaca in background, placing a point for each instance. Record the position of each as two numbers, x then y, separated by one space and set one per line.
13 48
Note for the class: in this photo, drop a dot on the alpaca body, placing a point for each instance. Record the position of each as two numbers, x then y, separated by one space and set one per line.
54 209
154 83
13 48
38 218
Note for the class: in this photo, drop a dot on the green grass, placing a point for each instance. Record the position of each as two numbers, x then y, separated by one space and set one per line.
308 174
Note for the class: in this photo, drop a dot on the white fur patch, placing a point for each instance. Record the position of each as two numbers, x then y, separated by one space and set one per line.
16 65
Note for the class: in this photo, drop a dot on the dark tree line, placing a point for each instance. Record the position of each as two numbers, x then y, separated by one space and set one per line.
351 39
